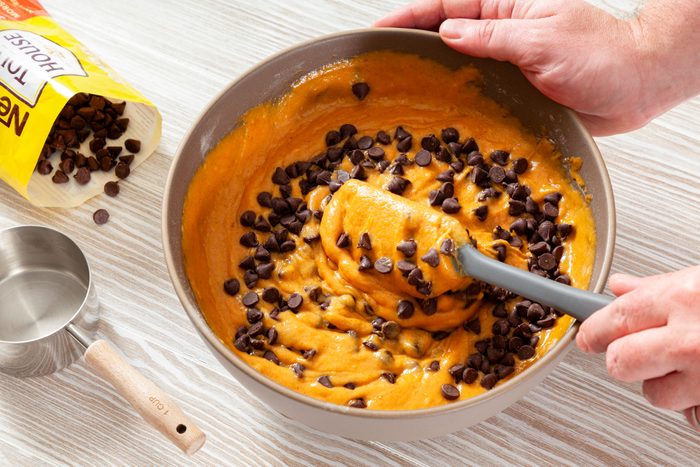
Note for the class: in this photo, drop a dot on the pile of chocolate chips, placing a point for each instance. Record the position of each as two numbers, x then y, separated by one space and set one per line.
85 116
88 116
275 230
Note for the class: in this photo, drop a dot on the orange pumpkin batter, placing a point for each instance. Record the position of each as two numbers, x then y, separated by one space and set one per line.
423 97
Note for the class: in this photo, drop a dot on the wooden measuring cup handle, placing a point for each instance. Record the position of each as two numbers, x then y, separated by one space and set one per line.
154 405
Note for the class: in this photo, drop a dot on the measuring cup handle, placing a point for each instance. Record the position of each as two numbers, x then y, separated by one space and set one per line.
154 405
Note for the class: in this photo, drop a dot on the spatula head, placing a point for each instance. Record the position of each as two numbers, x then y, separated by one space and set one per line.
358 208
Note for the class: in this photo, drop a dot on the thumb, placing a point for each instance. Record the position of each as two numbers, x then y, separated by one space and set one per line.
501 39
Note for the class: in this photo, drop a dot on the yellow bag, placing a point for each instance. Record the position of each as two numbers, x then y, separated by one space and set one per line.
41 67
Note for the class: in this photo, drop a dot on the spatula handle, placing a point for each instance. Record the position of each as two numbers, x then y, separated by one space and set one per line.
151 402
574 302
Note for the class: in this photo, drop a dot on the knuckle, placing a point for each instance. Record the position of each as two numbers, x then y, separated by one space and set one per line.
487 33
615 363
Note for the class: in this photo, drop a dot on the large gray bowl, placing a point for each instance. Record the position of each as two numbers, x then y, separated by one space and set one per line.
272 78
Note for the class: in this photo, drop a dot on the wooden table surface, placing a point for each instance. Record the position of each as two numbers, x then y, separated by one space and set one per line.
180 54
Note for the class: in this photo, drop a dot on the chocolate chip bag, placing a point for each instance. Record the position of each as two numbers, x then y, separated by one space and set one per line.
68 123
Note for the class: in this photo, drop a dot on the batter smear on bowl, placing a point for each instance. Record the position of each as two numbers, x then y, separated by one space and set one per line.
377 321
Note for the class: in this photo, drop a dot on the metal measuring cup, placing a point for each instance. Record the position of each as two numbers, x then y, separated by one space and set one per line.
48 317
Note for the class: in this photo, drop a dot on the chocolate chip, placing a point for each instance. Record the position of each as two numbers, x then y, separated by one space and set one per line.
280 177
347 130
407 247
358 173
82 176
405 266
371 346
132 145
480 176
383 265
249 239
449 135
308 354
565 230
451 206
253 315
489 381
447 247
391 329
499 311
457 165
250 299
497 174
232 286
333 137
475 158
405 309
429 306
434 366
298 369
469 375
446 176
365 263
431 258
343 240
325 381
415 277
443 155
101 216
515 207
500 327
535 312
357 403
550 210
389 377
271 295
481 212
365 243
111 189
365 142
449 392
547 261
360 90
526 352
539 248
122 170
500 157
564 279
553 198
520 165
473 325
270 355
447 189
470 145
295 301
398 185
423 158
383 137
287 246
547 322
436 197
242 343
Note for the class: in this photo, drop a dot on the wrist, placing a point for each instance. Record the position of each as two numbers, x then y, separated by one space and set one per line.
666 36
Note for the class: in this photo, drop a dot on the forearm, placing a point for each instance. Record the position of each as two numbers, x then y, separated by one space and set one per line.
668 36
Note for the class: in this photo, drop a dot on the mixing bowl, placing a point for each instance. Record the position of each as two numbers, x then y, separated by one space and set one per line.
272 78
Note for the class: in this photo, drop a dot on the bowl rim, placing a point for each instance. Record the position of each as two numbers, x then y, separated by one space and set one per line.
197 318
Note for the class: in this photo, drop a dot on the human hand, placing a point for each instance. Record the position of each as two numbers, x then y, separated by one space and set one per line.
651 333
617 75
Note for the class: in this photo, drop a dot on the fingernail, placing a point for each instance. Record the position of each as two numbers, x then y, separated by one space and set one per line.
450 29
